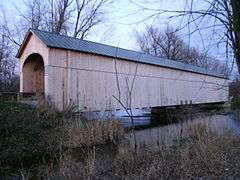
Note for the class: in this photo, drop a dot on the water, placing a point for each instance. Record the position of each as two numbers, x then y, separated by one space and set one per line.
151 132
166 134
144 119
163 129
169 123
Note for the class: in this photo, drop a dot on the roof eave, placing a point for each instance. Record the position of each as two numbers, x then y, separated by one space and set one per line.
164 66
24 43
167 64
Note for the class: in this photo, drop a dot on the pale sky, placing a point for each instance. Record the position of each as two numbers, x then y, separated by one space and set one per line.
123 18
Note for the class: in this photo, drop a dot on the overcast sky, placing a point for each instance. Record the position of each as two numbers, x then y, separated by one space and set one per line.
125 17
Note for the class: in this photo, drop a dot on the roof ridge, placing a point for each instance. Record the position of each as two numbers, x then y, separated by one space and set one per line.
54 40
115 47
48 32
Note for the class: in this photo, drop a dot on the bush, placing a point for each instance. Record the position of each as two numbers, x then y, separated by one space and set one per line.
38 140
27 136
235 103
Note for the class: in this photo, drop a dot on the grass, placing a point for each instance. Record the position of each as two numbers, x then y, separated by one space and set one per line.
95 133
204 154
41 143
28 137
34 137
13 106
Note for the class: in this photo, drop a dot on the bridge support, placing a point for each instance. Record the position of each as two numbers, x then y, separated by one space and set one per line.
186 108
169 114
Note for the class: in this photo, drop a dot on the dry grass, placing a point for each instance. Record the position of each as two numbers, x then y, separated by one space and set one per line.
40 139
95 133
203 155
80 132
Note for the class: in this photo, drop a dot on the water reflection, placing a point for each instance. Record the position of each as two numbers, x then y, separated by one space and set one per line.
166 134
163 128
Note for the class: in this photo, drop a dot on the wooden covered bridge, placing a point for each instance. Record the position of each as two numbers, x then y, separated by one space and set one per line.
95 76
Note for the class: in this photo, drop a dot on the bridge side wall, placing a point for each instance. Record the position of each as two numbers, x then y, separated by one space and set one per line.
89 81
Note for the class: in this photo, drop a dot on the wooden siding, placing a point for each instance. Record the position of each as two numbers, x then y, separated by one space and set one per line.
89 81
34 45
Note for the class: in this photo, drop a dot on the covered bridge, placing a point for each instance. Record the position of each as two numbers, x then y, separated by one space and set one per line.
90 75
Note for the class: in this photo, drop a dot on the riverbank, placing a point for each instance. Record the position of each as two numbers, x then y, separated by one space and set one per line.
45 144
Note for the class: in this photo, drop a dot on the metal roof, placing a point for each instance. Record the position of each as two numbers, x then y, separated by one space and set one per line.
70 43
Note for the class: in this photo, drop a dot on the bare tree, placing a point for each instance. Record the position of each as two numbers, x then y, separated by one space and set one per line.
33 17
62 15
222 17
234 87
46 15
72 17
233 26
89 14
9 81
126 99
58 16
168 44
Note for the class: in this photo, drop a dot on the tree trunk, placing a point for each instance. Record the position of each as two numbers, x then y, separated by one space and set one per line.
236 30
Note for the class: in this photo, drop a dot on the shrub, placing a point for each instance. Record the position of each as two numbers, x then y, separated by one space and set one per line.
31 138
27 136
235 103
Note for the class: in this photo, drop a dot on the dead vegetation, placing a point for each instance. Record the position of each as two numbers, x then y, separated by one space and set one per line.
204 155
95 133
35 138
98 149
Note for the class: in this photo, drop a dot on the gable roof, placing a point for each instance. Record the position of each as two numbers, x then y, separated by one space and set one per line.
69 43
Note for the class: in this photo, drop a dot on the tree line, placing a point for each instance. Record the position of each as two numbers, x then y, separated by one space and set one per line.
168 44
78 18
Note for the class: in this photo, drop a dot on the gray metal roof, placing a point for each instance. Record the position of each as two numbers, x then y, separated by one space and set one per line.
65 42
